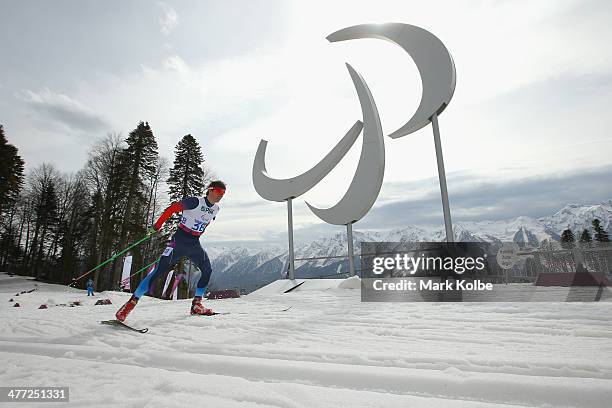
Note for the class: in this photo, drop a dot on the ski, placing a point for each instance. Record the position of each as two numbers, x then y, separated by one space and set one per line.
238 313
117 323
213 314
294 287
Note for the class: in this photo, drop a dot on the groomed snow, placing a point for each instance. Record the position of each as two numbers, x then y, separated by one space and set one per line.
328 350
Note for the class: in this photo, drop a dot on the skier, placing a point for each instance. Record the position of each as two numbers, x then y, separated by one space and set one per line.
198 212
90 284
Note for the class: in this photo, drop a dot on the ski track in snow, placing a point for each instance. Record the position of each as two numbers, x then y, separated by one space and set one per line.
329 350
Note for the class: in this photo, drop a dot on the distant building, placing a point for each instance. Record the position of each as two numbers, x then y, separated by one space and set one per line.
224 294
573 279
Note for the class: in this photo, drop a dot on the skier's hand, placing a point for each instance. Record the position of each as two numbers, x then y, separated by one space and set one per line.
151 230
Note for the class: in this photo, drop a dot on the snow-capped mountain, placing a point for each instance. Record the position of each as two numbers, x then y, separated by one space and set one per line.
246 268
250 268
578 218
224 259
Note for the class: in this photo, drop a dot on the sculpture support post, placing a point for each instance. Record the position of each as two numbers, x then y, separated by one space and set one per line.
291 255
448 225
349 240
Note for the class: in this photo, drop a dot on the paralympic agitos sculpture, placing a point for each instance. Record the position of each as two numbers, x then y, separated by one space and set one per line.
438 77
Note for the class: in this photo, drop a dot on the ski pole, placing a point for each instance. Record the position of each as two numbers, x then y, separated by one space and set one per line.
112 258
145 267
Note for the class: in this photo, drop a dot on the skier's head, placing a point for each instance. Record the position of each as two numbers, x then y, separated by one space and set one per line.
215 191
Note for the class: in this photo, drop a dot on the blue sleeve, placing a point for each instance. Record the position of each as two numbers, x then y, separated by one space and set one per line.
189 203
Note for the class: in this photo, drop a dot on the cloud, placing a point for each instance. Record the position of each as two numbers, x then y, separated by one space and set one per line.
62 109
475 198
169 20
205 99
472 198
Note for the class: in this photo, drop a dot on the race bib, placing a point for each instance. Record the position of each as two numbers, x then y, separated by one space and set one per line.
167 251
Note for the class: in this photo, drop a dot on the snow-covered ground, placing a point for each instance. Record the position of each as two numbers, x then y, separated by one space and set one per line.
328 350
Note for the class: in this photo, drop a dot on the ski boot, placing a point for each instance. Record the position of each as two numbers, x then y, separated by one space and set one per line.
123 312
197 308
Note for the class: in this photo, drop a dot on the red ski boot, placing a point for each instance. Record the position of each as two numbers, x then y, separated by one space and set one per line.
198 309
125 310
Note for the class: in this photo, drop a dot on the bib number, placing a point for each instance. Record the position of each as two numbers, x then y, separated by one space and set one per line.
199 226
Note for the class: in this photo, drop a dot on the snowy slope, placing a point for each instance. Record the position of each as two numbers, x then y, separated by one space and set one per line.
329 350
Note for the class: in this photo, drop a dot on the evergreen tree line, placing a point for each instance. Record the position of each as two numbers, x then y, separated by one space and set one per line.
590 243
56 226
568 239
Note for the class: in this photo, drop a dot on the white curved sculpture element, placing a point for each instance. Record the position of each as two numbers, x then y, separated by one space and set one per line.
368 178
431 57
282 189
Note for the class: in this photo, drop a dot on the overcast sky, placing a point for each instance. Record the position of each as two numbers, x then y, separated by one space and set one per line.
527 130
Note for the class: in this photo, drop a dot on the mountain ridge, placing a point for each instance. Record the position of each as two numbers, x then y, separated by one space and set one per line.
250 268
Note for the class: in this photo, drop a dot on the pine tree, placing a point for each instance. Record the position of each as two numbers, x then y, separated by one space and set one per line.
139 158
585 237
11 171
567 238
94 227
11 181
48 214
187 177
42 186
600 234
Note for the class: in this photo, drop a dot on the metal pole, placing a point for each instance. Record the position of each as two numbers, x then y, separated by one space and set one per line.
578 259
349 239
448 225
291 254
